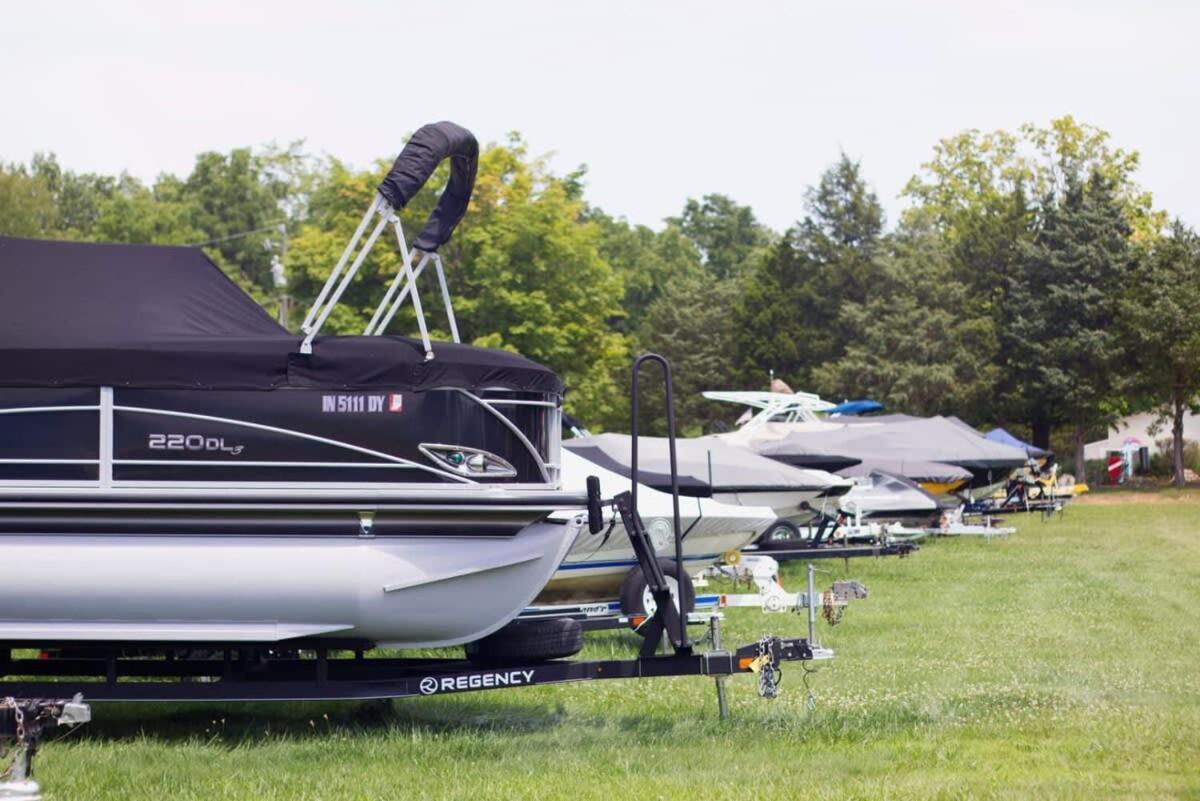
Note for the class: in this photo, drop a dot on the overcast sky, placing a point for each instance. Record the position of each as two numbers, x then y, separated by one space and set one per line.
662 100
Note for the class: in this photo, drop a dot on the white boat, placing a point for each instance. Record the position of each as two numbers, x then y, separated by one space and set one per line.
597 564
175 467
711 468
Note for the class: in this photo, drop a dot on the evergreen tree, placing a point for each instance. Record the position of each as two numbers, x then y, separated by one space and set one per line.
1059 341
789 314
843 230
690 325
914 345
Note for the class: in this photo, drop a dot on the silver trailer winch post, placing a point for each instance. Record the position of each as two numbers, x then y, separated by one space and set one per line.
714 628
811 597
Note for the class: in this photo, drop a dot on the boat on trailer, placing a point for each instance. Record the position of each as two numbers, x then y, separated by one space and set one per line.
176 467
711 468
600 564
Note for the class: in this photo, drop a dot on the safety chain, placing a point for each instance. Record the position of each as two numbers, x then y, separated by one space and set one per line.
768 673
19 718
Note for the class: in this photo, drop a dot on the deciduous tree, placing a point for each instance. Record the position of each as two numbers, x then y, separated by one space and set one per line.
1161 313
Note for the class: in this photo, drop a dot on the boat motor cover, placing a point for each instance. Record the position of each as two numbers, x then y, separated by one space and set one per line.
733 469
420 157
88 314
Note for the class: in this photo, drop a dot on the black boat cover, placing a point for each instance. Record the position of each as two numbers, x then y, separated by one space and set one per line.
417 161
88 314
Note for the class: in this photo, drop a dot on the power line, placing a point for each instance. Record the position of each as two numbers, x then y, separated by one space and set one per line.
268 227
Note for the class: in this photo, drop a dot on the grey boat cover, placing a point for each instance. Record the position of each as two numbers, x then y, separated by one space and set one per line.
909 469
88 314
930 439
794 450
733 469
889 493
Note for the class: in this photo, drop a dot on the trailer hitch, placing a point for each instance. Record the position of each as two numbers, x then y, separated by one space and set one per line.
22 722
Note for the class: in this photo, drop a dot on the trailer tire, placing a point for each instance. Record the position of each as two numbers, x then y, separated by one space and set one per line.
780 534
528 641
634 595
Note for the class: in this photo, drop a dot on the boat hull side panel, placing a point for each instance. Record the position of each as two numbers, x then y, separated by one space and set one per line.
396 591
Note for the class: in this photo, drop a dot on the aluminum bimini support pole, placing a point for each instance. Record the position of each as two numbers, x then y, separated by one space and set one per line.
412 282
392 300
402 285
306 326
391 303
441 274
326 302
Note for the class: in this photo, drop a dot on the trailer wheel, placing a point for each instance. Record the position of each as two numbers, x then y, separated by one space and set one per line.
780 534
636 600
528 641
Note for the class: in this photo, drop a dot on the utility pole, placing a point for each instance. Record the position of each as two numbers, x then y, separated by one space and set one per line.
279 276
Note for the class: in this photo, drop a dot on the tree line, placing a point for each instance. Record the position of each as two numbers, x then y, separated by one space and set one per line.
1029 282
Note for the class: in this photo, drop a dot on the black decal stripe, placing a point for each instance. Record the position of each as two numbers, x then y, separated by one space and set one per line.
158 522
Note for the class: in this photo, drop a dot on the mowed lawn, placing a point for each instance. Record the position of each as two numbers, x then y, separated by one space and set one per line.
1063 662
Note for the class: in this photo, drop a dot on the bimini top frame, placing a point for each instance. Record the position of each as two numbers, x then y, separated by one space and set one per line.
802 407
428 147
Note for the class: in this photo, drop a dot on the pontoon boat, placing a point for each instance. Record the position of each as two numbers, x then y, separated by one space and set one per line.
175 467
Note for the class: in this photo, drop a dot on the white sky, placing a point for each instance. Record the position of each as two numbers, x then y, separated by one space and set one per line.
662 100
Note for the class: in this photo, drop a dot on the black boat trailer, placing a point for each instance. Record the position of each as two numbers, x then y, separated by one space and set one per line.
1016 500
896 548
231 672
219 677
823 543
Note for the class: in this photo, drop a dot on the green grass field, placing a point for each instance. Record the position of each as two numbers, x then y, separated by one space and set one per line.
1063 662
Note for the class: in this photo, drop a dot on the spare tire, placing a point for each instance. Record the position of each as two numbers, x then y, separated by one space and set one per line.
528 641
635 595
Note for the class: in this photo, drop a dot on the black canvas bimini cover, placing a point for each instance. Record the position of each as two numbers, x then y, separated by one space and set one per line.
420 157
88 314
